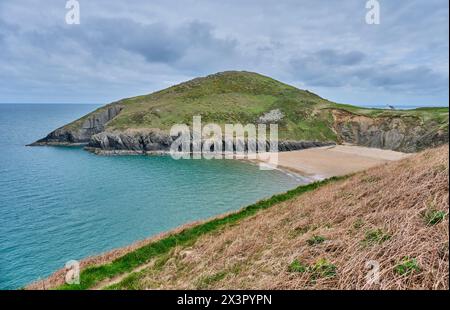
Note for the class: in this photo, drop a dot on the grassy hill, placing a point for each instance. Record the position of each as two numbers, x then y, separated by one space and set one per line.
244 97
319 236
232 97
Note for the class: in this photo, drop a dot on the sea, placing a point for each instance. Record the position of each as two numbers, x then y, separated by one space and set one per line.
59 204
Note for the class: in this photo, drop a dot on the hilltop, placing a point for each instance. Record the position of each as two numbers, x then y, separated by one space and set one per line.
324 235
142 123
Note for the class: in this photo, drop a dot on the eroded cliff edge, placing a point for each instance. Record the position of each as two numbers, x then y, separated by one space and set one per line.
403 133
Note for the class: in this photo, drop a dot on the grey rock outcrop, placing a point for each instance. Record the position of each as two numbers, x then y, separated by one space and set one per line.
81 131
286 146
155 140
405 134
138 141
273 116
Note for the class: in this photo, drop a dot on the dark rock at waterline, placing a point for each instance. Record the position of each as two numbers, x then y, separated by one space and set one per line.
156 140
286 146
145 141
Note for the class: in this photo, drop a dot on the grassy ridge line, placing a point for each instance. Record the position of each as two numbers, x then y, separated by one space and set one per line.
93 275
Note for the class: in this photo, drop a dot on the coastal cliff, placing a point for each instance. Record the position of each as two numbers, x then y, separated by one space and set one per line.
406 133
82 130
142 124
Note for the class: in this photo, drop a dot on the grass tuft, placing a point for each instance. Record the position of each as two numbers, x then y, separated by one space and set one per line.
314 240
297 266
407 266
205 282
376 236
323 269
299 231
433 217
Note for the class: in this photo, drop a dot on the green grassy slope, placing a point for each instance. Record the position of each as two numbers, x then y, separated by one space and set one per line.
242 97
229 97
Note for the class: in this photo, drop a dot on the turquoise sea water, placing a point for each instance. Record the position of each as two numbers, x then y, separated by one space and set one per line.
62 203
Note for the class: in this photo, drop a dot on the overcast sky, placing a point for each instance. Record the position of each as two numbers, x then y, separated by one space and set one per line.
127 48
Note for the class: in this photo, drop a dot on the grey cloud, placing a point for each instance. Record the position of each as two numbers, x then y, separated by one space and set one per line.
336 58
330 68
419 79
139 46
156 42
325 67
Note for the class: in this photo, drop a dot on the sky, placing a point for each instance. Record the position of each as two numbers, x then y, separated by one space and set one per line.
126 48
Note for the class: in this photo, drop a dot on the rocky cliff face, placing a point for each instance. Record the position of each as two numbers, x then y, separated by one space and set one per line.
132 140
81 131
406 134
154 140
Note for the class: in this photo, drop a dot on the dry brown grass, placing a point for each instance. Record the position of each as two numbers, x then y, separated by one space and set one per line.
257 252
58 277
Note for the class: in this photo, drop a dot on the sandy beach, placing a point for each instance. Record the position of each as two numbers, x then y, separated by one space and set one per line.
338 160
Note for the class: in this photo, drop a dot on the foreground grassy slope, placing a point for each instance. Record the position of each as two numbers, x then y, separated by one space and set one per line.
317 236
242 97
120 262
324 238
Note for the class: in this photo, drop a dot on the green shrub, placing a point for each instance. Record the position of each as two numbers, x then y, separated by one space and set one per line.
297 266
376 236
315 240
323 269
407 266
433 217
